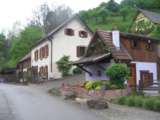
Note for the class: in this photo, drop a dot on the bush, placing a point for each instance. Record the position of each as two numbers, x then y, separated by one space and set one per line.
138 101
89 85
118 73
121 100
64 65
156 106
77 71
130 101
148 103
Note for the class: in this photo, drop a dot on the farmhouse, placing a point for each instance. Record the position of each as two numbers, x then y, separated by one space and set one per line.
141 53
70 39
145 22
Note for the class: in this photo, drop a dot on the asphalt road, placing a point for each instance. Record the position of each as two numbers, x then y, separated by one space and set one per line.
26 103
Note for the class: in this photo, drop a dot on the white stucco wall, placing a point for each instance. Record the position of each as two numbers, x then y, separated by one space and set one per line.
62 45
151 67
94 69
67 45
44 61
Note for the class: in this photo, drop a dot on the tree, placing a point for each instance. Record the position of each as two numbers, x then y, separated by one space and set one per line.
64 65
49 18
124 12
22 43
103 13
3 49
112 6
118 73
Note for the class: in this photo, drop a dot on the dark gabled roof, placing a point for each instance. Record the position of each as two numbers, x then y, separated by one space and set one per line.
153 16
121 54
50 35
26 57
92 59
138 37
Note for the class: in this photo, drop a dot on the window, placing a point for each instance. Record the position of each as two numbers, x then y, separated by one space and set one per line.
46 71
149 46
83 34
40 54
134 44
69 31
46 51
80 51
99 73
36 55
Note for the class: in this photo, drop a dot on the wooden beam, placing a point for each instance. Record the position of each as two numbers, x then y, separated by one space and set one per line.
81 67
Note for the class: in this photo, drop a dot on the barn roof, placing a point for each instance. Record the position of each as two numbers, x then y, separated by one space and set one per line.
153 16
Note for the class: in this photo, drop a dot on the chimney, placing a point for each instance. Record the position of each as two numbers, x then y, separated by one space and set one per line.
116 38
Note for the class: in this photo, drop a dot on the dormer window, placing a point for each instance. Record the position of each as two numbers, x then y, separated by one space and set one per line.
69 31
83 34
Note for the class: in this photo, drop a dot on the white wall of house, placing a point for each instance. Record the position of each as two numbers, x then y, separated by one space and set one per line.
67 45
62 44
44 61
151 67
94 70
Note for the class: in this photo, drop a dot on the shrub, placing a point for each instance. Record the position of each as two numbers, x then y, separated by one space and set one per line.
118 73
121 100
156 106
130 101
89 85
148 103
64 65
77 71
138 101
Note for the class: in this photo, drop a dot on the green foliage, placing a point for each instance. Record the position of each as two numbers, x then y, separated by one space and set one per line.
77 70
156 106
3 49
130 101
118 73
148 103
96 85
64 65
89 85
121 100
112 6
105 17
23 43
138 101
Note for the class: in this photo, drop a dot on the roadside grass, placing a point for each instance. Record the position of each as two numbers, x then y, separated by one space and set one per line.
146 102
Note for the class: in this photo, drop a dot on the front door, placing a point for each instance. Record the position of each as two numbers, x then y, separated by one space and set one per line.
132 80
146 78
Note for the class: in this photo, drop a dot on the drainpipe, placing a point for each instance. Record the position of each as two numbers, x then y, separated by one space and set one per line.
50 38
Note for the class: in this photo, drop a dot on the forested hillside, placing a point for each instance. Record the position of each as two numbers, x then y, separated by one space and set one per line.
111 14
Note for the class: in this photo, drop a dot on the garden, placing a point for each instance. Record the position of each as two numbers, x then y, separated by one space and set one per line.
145 102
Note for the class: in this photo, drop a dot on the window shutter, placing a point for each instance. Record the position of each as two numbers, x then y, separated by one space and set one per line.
69 31
78 51
47 51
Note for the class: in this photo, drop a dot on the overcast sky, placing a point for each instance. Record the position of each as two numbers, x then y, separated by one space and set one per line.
21 10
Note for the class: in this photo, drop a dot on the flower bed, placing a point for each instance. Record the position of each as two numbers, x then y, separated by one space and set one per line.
149 103
81 91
